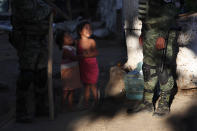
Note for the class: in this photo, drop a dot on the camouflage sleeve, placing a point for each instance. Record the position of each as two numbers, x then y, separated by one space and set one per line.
42 10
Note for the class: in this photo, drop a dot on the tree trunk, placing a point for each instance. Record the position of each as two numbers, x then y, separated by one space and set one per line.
132 27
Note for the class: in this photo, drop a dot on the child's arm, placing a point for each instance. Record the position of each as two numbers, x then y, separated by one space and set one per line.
92 51
67 54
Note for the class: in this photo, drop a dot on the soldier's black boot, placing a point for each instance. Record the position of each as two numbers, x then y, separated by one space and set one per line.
41 91
145 105
21 110
163 105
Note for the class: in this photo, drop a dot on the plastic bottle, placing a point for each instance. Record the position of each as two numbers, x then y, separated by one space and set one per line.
134 83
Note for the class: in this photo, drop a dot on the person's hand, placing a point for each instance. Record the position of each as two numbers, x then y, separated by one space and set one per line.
140 41
160 43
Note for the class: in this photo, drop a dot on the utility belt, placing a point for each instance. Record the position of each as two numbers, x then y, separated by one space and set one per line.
162 75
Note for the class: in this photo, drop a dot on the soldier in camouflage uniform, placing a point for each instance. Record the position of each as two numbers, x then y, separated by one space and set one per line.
30 21
157 16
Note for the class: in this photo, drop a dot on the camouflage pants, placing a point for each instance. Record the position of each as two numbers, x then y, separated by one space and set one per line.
152 86
33 57
153 57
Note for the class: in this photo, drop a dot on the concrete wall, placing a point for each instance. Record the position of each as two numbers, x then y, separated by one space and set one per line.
187 55
132 27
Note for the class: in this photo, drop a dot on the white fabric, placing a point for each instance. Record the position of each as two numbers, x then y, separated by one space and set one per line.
69 65
70 48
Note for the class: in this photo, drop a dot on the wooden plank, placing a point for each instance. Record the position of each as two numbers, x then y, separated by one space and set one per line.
50 69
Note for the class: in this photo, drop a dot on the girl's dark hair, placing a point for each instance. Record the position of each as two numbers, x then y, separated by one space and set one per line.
80 27
59 39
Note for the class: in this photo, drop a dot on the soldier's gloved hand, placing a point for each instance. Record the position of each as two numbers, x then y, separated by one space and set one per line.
160 43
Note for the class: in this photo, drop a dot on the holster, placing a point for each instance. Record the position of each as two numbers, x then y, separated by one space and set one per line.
163 77
147 73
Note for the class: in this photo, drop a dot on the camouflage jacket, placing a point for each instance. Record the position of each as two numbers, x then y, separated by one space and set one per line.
31 16
157 14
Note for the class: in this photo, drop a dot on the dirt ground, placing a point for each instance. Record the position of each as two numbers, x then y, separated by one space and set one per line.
110 115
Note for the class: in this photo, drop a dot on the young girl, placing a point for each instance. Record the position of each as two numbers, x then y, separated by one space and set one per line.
69 68
88 64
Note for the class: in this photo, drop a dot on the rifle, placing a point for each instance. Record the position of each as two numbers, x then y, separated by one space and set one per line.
166 46
163 74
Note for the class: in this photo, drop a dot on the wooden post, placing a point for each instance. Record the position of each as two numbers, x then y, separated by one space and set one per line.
50 69
57 9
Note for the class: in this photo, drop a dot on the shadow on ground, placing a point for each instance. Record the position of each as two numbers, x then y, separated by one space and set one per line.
185 121
108 108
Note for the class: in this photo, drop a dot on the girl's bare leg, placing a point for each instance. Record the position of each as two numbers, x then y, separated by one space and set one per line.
65 94
87 94
70 100
94 92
